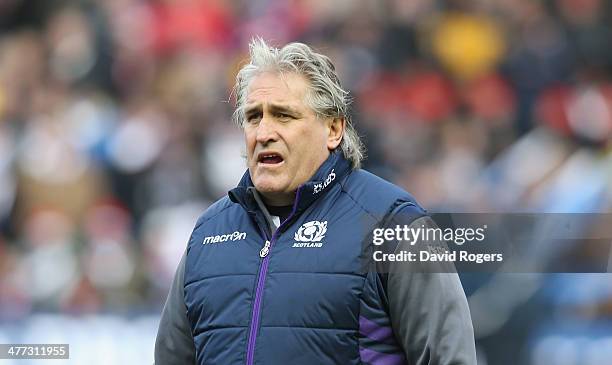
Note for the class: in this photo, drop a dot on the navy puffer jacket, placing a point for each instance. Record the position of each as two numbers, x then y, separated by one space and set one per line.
302 294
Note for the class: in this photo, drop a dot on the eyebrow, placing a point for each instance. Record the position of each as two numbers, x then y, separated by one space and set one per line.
274 108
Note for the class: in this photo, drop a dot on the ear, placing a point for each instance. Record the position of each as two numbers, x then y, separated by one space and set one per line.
335 128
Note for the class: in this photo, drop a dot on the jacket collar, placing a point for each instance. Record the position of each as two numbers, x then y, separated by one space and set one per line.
329 173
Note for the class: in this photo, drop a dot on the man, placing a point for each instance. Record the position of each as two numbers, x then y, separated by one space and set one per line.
273 273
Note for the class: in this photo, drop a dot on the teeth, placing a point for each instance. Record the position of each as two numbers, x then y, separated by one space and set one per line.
270 156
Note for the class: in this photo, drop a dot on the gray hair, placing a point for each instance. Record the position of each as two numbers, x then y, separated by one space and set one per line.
326 96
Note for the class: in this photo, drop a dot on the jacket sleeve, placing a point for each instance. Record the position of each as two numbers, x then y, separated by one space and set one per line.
174 343
429 311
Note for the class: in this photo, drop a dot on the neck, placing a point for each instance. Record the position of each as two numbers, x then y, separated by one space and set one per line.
278 199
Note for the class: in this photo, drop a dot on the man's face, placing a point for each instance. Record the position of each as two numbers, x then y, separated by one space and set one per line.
285 142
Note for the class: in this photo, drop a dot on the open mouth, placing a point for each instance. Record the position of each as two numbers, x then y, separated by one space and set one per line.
269 158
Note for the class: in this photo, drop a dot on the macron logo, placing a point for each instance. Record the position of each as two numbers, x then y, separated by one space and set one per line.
236 236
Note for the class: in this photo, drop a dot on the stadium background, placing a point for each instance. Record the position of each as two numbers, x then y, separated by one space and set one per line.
115 134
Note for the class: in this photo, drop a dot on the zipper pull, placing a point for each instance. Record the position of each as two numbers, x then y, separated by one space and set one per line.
265 250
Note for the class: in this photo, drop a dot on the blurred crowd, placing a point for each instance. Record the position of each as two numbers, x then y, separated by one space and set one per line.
115 129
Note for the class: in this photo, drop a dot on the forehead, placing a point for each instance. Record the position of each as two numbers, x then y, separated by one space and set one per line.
277 88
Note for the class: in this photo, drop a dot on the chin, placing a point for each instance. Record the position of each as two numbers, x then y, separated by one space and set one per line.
268 185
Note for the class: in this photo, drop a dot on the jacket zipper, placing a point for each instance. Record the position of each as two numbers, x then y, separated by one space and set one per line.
265 250
264 253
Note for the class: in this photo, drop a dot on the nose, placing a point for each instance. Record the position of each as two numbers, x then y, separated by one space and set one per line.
266 131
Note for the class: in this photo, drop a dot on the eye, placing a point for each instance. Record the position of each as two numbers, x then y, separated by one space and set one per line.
284 116
253 118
